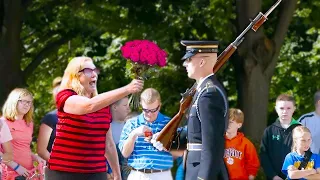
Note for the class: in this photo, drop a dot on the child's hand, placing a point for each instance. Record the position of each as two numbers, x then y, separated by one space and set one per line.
251 177
314 171
140 131
40 160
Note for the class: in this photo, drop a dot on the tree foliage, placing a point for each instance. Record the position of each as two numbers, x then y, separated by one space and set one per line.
53 31
298 64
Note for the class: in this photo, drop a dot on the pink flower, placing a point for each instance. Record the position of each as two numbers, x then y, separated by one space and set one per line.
135 56
162 55
125 51
144 53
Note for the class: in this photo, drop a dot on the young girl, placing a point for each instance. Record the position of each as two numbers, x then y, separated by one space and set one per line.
301 144
17 112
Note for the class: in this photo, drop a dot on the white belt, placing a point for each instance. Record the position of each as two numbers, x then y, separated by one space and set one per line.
194 147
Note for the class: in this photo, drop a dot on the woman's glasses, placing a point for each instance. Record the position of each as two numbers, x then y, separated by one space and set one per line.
25 102
88 71
151 110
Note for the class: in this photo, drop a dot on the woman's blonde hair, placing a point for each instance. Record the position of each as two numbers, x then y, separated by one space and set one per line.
296 134
71 76
10 107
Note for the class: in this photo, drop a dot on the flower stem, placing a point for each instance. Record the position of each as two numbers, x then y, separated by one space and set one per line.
134 101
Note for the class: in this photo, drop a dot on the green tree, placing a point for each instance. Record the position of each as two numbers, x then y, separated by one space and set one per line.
38 38
257 59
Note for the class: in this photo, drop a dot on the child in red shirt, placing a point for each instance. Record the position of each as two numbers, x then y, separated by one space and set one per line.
240 154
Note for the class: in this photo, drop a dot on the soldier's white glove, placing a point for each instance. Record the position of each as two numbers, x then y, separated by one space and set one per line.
157 144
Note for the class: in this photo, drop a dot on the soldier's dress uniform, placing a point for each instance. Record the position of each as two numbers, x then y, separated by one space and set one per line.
207 123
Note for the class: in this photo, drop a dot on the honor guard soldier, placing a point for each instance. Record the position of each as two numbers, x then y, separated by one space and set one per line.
207 119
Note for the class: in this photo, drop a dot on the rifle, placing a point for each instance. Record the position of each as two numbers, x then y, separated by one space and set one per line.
169 131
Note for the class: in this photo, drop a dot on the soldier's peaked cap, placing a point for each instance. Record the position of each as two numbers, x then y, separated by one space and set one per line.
194 47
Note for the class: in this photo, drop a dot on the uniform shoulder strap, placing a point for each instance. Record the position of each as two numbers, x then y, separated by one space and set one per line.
223 96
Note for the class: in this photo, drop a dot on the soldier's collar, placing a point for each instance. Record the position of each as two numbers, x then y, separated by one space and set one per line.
202 80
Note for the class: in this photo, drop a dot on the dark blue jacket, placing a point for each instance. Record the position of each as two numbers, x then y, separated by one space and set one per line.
206 125
275 145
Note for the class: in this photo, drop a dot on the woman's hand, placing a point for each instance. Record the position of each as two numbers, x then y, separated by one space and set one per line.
135 86
115 177
23 171
109 176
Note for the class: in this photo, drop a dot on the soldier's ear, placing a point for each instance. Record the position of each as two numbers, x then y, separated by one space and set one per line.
202 62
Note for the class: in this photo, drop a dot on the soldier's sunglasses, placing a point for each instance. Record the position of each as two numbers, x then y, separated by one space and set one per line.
88 71
151 110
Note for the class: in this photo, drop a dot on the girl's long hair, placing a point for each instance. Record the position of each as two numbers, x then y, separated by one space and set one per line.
10 107
296 134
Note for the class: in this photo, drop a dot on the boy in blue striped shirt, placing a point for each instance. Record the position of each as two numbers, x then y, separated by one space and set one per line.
146 161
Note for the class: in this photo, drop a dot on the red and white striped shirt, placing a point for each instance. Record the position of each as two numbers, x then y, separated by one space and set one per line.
80 139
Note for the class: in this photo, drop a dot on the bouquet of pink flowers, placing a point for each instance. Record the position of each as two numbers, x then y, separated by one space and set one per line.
143 56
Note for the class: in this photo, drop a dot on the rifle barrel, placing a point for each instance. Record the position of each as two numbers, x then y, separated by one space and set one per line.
272 8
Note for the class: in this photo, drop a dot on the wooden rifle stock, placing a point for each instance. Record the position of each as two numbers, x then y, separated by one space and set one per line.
168 132
223 57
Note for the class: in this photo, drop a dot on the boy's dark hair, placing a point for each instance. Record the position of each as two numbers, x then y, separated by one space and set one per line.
286 97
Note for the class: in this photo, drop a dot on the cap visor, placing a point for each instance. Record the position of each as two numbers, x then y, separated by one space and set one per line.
187 55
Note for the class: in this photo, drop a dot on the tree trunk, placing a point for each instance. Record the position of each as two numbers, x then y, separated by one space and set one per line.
256 63
253 90
10 46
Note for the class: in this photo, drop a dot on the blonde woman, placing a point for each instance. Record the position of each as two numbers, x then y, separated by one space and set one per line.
18 114
83 135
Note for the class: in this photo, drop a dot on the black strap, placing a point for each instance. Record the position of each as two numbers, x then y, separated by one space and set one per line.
20 178
306 159
292 126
